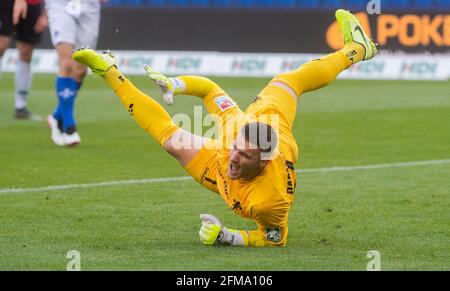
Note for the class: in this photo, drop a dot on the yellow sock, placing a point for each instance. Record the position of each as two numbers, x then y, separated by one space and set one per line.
354 52
147 112
319 73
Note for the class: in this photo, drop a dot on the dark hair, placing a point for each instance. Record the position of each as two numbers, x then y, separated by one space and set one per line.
261 135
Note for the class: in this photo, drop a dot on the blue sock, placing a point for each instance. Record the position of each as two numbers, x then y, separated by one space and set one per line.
57 114
66 90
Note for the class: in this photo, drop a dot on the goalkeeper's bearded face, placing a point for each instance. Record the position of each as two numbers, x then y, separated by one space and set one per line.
245 160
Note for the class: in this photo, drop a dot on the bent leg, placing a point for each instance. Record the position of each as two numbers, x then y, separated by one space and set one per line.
280 96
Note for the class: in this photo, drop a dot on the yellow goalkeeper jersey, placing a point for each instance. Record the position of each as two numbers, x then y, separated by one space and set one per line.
268 197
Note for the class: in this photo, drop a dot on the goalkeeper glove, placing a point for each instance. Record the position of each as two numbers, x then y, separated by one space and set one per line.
212 231
169 86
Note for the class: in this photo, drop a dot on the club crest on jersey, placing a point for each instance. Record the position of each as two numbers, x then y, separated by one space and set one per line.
273 234
224 102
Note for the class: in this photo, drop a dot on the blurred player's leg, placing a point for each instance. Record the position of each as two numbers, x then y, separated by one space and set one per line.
66 90
71 28
6 27
23 80
27 35
4 44
147 112
63 33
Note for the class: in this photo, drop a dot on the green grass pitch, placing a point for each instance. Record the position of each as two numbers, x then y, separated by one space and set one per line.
403 212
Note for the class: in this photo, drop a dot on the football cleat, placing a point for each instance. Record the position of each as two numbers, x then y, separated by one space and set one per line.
22 113
99 63
353 32
56 134
25 114
72 139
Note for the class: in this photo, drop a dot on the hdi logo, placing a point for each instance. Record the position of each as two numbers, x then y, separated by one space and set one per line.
248 65
184 63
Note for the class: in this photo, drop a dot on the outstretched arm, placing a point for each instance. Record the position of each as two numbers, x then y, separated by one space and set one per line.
225 111
186 85
197 86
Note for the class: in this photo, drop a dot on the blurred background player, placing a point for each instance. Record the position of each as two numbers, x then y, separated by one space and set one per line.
256 182
26 20
72 24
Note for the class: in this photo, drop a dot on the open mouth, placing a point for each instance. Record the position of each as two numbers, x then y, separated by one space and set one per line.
234 170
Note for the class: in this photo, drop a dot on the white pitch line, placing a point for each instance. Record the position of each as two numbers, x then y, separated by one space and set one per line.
92 185
173 179
371 167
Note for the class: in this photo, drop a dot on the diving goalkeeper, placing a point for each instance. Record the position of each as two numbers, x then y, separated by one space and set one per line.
251 163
